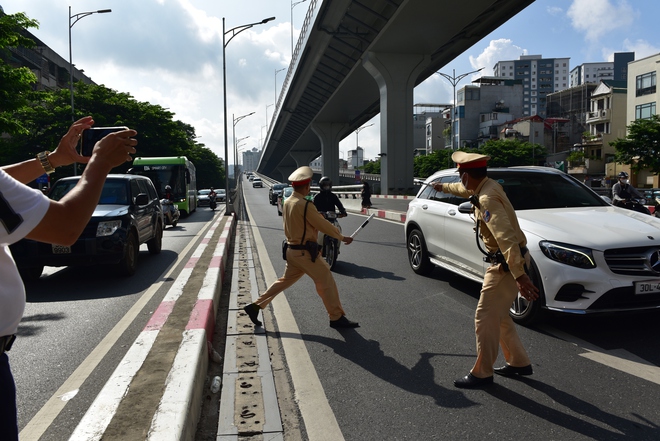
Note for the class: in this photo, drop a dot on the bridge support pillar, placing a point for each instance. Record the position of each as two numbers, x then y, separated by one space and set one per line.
285 171
302 158
330 134
396 75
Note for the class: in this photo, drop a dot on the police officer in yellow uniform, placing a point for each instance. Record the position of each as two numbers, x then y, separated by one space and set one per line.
504 279
302 222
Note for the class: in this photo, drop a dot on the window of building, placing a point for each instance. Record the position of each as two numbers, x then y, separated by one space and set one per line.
645 84
645 111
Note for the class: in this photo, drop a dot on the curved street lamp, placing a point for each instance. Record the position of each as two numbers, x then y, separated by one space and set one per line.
233 136
293 5
276 72
77 17
454 80
234 32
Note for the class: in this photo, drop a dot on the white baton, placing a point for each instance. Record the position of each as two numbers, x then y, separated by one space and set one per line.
363 225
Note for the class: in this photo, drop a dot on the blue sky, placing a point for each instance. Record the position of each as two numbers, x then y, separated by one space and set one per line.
169 52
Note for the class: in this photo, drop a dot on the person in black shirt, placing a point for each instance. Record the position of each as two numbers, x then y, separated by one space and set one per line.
326 200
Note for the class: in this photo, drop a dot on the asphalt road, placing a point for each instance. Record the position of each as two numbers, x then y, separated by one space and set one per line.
78 324
392 378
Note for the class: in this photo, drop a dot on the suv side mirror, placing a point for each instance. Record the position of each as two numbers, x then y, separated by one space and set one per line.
465 207
142 199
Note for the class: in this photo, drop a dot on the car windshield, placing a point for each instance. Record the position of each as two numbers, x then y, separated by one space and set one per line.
279 186
114 191
529 190
287 191
203 192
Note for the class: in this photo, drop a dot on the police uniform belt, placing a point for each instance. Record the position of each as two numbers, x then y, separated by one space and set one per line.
297 247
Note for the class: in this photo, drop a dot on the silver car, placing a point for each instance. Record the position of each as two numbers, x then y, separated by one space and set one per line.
587 256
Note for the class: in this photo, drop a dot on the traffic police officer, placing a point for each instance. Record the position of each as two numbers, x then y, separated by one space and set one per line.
501 233
302 222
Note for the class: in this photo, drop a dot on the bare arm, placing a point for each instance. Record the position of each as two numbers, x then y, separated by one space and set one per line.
65 219
64 154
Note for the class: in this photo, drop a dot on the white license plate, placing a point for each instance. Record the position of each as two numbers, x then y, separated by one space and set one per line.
647 287
61 249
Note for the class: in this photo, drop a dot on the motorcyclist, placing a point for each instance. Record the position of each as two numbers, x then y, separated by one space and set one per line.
212 196
168 193
326 200
622 191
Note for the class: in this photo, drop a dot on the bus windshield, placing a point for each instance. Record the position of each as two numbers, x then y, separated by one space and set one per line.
177 172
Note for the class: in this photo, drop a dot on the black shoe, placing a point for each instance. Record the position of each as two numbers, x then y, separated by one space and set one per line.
472 382
252 311
343 322
508 370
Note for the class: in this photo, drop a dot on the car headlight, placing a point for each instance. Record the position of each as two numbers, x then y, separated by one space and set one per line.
107 228
568 254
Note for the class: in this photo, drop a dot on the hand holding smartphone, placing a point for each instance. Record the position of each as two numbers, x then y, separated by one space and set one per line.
93 135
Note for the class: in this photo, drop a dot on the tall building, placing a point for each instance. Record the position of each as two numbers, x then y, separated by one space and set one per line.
571 104
540 76
428 124
616 70
484 105
51 70
251 159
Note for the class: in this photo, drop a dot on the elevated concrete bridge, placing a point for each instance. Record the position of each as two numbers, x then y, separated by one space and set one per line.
358 58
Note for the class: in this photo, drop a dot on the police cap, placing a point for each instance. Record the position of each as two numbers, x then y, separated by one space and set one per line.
301 176
466 160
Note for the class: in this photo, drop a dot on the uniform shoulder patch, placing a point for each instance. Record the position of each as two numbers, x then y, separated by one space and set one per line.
486 216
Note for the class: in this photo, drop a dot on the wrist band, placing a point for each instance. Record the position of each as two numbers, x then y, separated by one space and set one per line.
45 163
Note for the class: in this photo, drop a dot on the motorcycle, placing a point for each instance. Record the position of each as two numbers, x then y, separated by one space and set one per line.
212 203
171 212
638 205
330 245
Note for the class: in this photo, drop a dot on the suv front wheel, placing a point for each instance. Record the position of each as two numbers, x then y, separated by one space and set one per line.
527 313
418 255
128 264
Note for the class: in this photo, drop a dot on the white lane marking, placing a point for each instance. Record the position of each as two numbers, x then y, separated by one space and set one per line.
318 417
619 359
47 414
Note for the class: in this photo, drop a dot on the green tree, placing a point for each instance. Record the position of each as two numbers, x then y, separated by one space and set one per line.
640 147
424 166
372 167
15 83
47 116
512 152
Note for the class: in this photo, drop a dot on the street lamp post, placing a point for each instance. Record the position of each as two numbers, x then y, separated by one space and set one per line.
276 72
233 137
293 5
454 80
75 18
357 140
267 106
234 32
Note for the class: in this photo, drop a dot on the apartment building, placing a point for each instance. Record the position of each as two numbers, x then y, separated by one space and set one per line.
51 70
616 70
483 106
642 99
540 77
251 159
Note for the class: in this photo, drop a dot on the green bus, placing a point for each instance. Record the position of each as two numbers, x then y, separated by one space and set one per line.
177 172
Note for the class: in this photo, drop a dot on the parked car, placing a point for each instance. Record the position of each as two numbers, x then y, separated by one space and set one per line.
128 214
275 191
256 182
587 256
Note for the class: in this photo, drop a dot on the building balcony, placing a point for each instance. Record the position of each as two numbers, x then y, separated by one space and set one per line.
587 166
597 116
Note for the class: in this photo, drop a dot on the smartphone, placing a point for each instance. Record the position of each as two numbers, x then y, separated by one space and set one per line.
93 135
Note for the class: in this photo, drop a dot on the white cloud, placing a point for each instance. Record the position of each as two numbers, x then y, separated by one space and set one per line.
497 50
597 18
554 11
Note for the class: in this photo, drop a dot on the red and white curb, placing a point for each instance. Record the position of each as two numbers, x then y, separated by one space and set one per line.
176 416
396 216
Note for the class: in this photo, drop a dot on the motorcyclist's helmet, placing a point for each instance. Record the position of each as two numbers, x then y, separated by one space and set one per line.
623 175
325 183
168 188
